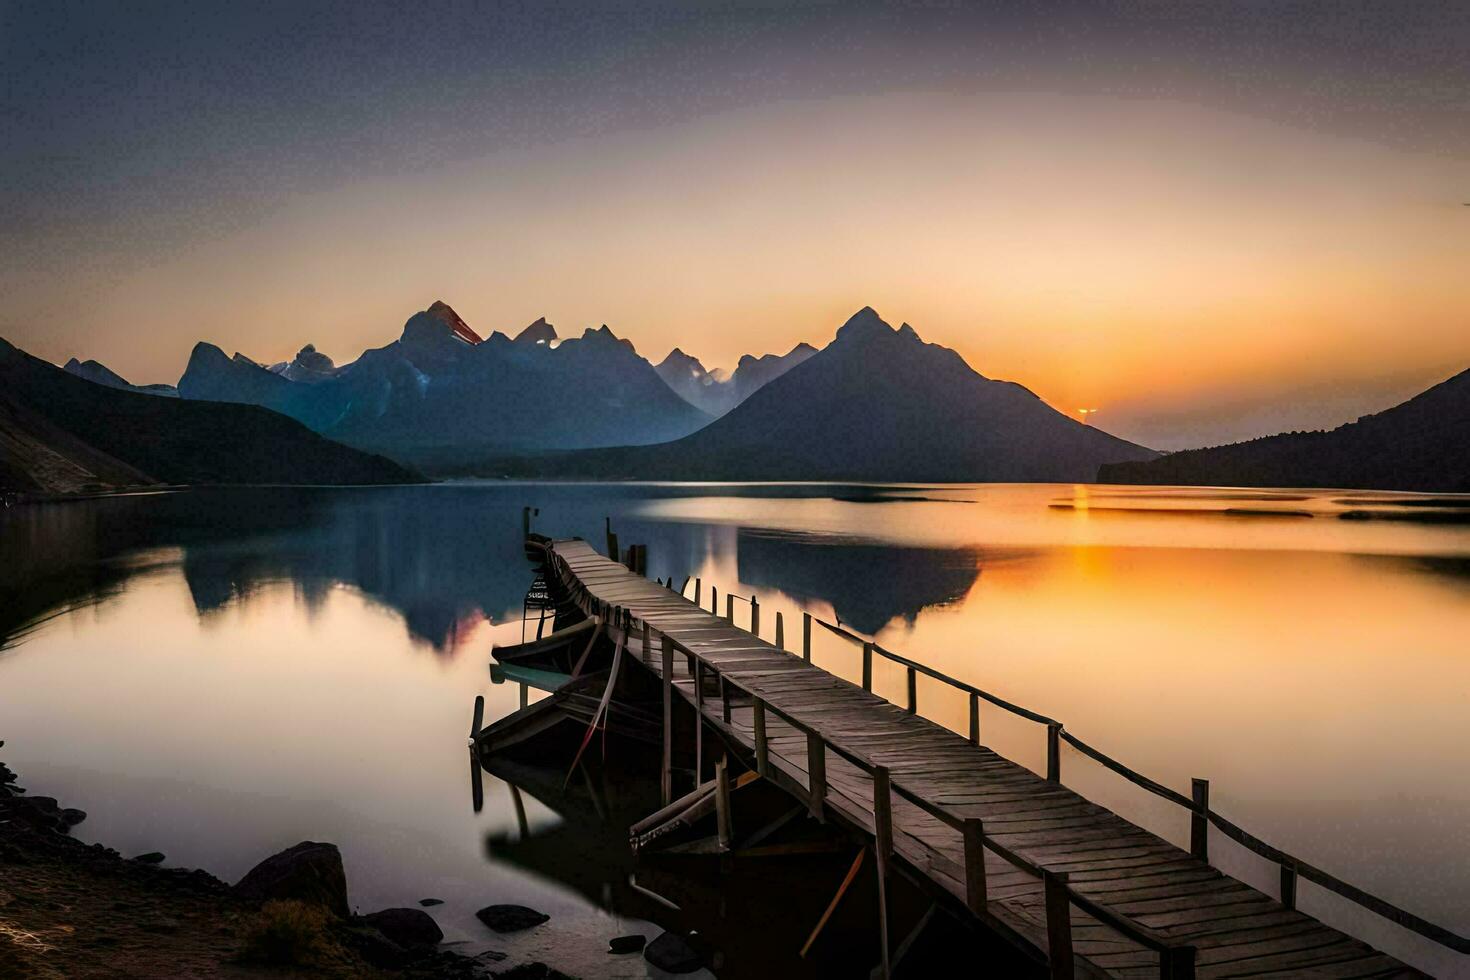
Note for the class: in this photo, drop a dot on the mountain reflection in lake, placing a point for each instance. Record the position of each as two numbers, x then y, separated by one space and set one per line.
216 674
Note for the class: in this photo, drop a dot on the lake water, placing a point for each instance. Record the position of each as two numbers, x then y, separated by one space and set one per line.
219 674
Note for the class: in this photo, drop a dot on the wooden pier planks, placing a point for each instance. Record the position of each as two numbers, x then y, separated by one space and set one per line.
1238 931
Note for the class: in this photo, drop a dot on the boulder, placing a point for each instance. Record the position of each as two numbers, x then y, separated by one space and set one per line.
510 918
670 953
309 872
409 928
152 857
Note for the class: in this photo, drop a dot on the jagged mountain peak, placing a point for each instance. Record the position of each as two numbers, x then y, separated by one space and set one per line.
539 332
682 361
862 326
445 314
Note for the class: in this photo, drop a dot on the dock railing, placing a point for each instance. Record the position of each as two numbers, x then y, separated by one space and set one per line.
1290 867
1175 961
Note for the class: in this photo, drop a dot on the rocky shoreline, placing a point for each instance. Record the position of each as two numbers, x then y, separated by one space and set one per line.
70 909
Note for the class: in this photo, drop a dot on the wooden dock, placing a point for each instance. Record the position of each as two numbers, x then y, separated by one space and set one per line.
1082 890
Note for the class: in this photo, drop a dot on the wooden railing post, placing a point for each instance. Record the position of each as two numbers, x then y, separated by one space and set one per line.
1054 752
698 586
976 893
762 751
723 821
525 694
714 600
780 632
667 780
806 637
816 768
730 607
867 666
913 692
975 718
883 848
1199 820
1177 963
1288 885
1058 924
647 652
755 616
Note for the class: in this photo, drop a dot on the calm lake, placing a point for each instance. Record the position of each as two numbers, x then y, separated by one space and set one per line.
219 674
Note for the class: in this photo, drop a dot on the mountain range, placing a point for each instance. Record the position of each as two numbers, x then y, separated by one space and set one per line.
716 392
877 403
62 433
1422 444
440 395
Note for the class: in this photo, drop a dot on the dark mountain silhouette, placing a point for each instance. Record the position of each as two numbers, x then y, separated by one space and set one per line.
1422 444
875 404
440 396
101 374
753 373
63 434
716 393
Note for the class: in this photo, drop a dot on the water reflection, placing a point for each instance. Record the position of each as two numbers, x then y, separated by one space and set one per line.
867 585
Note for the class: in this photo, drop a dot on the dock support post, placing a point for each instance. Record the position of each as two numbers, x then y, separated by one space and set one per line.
1288 885
722 804
974 718
816 768
780 632
698 722
976 892
525 694
1058 924
647 650
806 637
867 666
762 751
1054 752
913 692
1199 823
724 700
883 847
668 762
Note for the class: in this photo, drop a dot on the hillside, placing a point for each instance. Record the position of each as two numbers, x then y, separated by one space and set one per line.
63 434
1422 444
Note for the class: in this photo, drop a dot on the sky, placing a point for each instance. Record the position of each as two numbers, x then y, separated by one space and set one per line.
1207 221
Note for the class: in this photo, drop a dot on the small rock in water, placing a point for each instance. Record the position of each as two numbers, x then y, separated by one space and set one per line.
510 918
430 902
152 857
627 944
410 928
670 953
